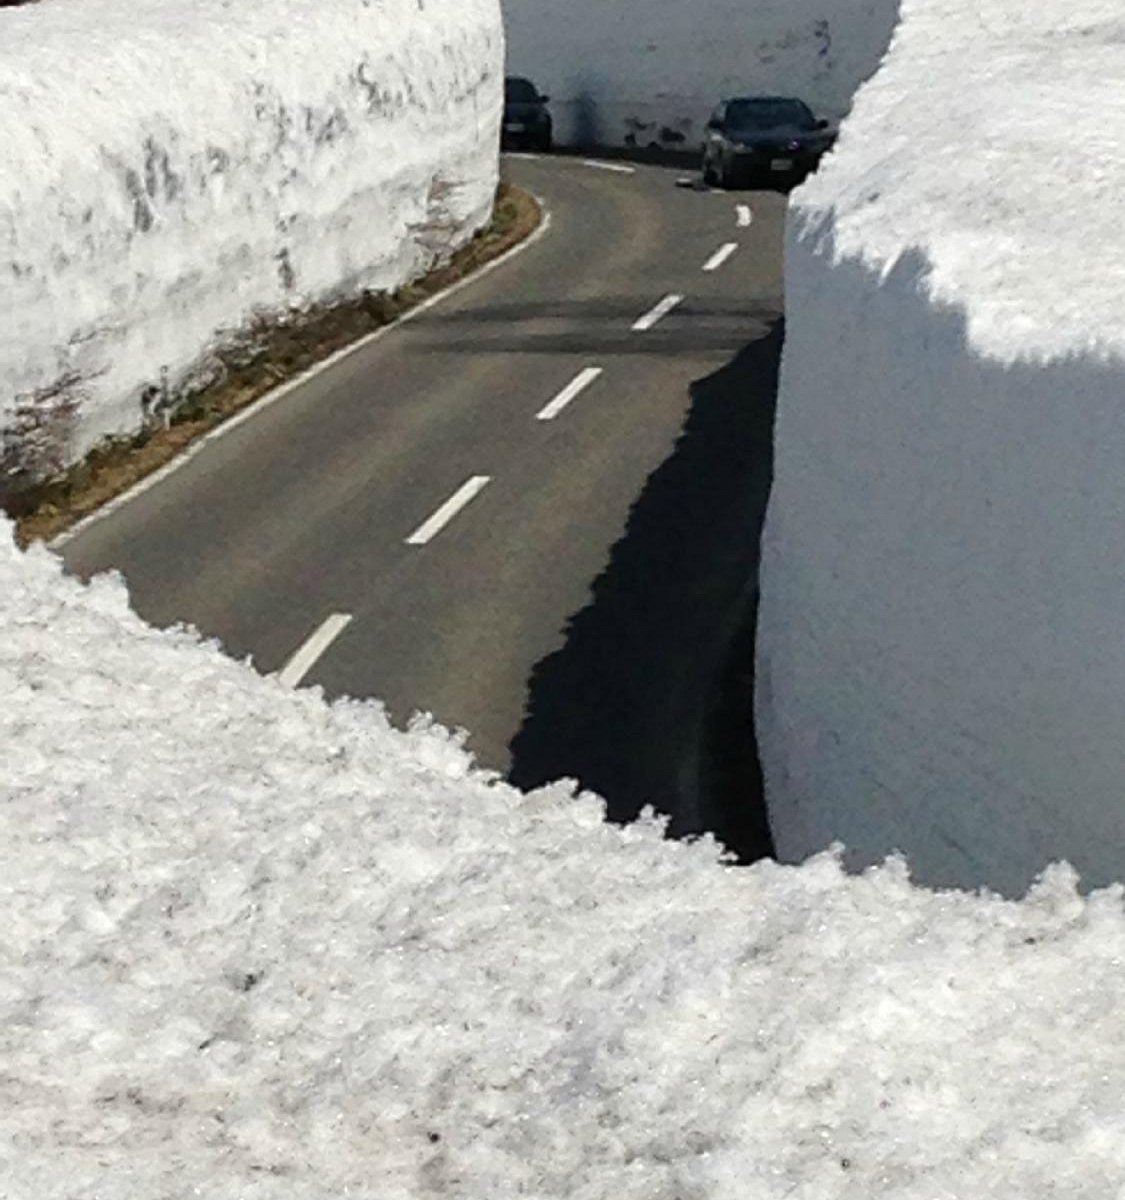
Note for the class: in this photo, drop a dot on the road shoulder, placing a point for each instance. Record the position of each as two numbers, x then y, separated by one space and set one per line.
269 359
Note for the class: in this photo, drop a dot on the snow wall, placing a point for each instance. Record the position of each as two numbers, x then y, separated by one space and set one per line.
649 72
169 171
941 659
259 947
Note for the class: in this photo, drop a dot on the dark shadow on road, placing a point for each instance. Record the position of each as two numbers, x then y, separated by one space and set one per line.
651 156
687 162
600 328
649 700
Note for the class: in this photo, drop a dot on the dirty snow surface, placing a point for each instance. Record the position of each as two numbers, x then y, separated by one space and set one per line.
941 664
170 170
259 946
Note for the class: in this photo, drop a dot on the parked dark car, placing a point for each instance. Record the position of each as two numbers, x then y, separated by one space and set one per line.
763 135
527 122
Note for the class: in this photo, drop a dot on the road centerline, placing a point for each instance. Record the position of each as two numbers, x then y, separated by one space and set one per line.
657 313
720 256
434 524
571 392
620 168
313 649
744 215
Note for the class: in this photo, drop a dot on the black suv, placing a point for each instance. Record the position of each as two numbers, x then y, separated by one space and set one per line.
527 122
770 135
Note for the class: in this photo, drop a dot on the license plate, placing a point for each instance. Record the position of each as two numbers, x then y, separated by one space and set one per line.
781 164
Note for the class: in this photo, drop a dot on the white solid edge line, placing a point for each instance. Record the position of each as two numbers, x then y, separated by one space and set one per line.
720 256
572 390
283 389
620 168
521 156
645 323
309 654
744 215
432 526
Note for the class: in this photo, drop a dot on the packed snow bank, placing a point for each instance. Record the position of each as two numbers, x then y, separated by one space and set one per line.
941 663
649 72
256 946
170 170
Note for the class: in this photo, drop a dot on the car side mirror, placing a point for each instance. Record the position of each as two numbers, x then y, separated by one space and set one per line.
544 99
714 123
822 124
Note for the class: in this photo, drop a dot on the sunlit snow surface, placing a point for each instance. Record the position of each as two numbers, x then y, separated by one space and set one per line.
994 141
170 169
257 946
941 660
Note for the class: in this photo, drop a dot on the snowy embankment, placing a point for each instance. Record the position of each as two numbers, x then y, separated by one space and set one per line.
649 72
256 946
170 171
941 662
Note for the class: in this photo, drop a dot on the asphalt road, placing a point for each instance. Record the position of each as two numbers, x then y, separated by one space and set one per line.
586 611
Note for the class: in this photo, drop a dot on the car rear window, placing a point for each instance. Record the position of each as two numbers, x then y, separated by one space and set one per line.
768 114
520 90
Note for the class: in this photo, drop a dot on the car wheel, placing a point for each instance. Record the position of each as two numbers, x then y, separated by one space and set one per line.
722 174
543 141
708 170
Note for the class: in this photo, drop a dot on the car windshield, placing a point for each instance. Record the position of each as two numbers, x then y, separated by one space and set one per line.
768 114
520 91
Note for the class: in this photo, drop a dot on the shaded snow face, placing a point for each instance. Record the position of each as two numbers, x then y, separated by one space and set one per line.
939 661
259 946
168 174
650 72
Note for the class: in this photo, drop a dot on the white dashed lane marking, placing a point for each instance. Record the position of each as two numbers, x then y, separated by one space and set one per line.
645 323
720 256
620 168
572 390
432 526
311 652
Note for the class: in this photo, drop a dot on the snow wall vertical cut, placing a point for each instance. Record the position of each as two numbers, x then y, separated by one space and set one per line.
648 72
941 656
170 170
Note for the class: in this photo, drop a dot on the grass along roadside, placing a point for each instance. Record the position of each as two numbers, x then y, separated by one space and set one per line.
269 353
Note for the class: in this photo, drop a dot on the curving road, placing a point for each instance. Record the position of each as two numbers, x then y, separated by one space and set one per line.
532 511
